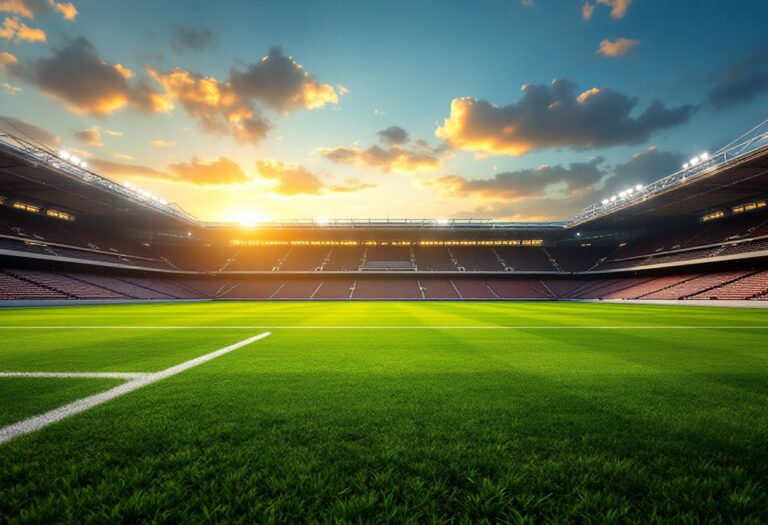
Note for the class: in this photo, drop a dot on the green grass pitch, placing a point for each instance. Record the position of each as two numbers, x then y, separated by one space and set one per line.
391 412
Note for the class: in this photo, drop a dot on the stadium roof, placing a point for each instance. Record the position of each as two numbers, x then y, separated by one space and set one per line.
733 174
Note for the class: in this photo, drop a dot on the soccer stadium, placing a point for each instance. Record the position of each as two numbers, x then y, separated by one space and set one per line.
601 359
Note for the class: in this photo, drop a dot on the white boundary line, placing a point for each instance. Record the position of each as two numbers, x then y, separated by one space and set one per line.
37 422
77 375
395 327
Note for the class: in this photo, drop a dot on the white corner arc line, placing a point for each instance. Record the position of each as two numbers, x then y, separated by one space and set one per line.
42 420
77 375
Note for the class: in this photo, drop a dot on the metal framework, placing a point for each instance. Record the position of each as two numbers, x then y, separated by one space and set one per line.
421 224
751 141
40 154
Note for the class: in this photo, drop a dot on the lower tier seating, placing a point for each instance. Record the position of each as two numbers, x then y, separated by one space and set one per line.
26 284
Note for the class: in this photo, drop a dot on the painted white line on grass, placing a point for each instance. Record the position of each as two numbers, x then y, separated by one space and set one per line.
37 422
78 375
394 327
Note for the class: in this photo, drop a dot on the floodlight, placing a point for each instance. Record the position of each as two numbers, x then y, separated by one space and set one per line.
613 198
75 160
83 164
604 202
685 166
64 155
694 161
639 187
704 156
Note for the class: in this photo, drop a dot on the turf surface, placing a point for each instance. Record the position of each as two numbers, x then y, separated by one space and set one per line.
390 425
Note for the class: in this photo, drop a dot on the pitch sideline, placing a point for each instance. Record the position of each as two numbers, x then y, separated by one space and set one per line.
34 423
386 327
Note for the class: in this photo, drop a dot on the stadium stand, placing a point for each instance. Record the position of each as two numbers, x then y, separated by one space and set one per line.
335 289
67 285
525 259
694 238
305 258
476 258
253 258
434 258
753 285
251 289
344 258
386 289
123 287
474 289
13 287
297 289
514 289
439 289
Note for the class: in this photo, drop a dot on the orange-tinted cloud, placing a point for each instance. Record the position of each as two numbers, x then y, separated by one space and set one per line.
7 59
31 8
351 186
396 154
214 104
293 179
120 169
222 171
160 143
568 180
555 115
90 136
15 29
279 82
393 158
25 8
77 76
618 8
235 105
617 48
66 9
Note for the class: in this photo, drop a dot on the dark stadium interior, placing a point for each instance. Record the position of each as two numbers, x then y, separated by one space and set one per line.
67 237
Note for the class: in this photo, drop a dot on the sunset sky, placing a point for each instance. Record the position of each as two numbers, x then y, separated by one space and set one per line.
504 109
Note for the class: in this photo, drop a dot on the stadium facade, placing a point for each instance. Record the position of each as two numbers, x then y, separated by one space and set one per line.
69 234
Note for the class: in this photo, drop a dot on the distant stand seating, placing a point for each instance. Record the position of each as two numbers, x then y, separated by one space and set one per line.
344 258
726 236
477 258
388 266
21 283
387 289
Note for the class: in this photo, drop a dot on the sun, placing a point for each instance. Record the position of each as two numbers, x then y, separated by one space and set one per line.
249 217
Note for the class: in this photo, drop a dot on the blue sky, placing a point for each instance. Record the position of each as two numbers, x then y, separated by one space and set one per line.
378 66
